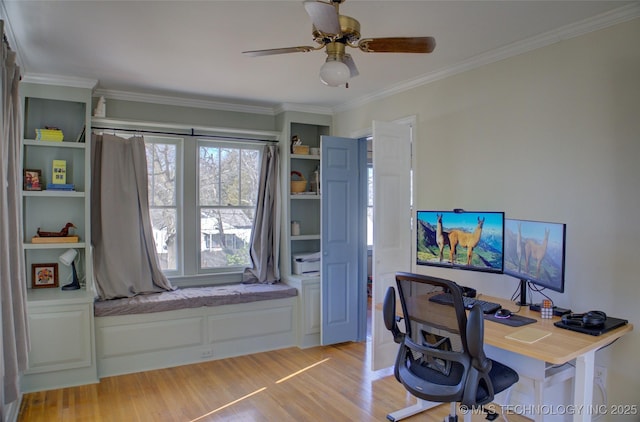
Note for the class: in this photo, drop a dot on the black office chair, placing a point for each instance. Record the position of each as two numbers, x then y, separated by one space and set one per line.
441 356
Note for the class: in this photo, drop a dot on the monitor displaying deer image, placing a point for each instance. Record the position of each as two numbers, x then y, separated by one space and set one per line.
470 240
534 251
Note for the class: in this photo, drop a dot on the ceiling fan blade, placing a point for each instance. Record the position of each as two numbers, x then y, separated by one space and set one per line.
324 17
272 51
348 60
398 45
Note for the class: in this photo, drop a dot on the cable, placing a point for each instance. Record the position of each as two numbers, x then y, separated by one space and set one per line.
540 290
603 391
515 294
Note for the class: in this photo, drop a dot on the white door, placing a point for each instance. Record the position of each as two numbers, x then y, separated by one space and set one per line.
392 217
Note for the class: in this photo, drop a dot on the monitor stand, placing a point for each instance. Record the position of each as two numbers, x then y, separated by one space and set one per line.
557 311
523 293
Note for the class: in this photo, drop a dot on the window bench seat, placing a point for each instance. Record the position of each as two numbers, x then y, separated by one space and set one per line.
192 325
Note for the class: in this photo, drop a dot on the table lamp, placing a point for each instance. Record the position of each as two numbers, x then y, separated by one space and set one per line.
68 259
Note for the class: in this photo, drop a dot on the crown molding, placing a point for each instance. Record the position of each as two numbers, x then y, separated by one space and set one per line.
209 104
604 20
70 81
303 108
183 102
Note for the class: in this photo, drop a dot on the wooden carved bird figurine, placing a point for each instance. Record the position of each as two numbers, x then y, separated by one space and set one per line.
62 233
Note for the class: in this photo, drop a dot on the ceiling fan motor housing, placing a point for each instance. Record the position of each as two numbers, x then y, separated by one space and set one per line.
335 50
349 32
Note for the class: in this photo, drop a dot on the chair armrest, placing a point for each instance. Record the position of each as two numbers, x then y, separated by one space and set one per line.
475 340
480 364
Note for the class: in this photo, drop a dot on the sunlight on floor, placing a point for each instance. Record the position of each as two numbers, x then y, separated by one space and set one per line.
260 390
301 371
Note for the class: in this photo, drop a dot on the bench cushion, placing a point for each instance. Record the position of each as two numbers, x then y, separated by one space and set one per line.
192 297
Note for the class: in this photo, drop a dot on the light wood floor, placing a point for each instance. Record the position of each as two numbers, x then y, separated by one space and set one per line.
330 383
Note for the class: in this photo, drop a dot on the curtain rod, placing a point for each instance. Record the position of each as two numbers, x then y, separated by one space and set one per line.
191 133
191 129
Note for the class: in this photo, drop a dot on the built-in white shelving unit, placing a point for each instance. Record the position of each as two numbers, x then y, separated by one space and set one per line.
61 325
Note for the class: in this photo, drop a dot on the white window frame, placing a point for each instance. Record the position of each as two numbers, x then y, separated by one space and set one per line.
179 205
218 143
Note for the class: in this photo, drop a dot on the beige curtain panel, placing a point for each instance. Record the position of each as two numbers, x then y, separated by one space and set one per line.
125 261
13 285
265 234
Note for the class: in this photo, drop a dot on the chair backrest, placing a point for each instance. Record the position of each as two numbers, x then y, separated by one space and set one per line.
414 291
435 361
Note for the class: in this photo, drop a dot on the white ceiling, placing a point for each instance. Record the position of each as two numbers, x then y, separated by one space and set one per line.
192 49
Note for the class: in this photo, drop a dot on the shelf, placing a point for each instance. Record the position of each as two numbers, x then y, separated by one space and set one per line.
309 196
56 296
53 193
54 144
305 157
33 246
306 237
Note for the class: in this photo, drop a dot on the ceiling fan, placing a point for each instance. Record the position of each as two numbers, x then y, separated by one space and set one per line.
335 32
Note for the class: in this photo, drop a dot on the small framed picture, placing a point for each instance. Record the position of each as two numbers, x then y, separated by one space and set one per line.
32 180
44 275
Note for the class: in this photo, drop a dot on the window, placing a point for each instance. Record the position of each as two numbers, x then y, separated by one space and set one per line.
162 167
228 177
202 195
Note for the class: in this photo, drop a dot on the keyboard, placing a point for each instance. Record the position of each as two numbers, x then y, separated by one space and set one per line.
447 299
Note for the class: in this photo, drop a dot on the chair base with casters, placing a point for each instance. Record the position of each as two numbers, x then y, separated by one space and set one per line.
441 356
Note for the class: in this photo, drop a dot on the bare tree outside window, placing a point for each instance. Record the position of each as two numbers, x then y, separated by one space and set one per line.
228 190
224 197
162 171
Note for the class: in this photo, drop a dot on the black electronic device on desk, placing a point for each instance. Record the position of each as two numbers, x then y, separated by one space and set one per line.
447 299
594 323
557 311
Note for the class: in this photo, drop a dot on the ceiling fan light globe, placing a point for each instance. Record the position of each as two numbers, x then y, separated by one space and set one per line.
334 73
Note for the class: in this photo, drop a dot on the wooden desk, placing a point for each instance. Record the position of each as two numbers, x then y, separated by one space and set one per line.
560 347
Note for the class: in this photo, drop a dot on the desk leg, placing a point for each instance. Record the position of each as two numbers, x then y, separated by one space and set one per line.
538 391
583 386
420 406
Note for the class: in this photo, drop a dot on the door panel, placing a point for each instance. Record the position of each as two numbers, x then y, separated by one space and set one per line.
343 244
391 225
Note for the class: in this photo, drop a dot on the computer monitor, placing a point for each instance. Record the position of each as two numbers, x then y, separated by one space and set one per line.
534 252
475 236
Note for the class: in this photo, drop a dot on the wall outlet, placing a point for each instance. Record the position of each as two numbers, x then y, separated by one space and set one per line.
600 375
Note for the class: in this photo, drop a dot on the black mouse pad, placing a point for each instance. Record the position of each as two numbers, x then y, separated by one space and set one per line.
513 321
609 324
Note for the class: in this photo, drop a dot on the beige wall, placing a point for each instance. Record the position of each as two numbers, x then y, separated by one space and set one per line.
552 134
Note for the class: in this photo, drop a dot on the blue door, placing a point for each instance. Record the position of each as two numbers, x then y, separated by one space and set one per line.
343 183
